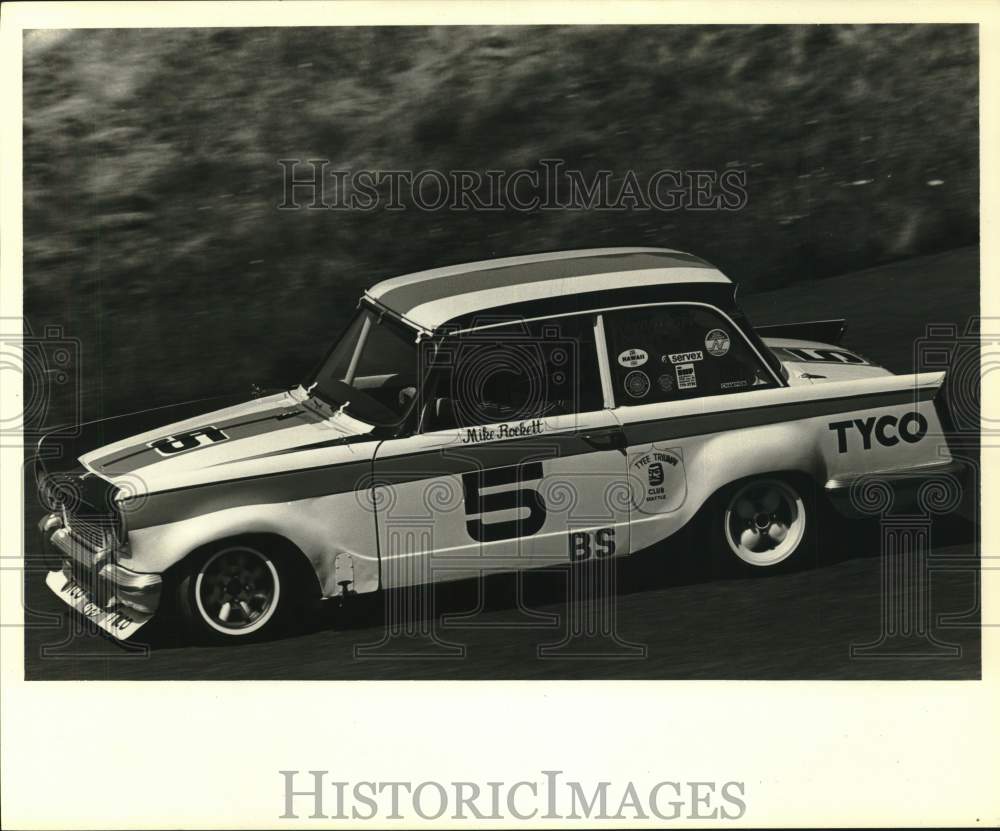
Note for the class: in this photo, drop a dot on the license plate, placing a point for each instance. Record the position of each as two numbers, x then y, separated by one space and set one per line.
118 621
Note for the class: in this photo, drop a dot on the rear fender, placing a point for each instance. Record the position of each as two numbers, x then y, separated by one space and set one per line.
904 435
837 429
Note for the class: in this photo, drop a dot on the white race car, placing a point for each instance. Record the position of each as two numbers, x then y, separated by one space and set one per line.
500 415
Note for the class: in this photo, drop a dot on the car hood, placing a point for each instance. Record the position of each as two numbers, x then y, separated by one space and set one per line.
813 362
235 441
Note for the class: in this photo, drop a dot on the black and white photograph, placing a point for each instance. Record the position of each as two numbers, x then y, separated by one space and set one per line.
497 352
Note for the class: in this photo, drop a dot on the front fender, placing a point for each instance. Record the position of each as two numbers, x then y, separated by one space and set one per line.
308 523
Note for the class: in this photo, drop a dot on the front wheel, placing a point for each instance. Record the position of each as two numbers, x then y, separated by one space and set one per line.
760 524
235 591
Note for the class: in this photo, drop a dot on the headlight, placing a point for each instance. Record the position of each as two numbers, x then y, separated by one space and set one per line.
119 528
46 491
57 491
121 535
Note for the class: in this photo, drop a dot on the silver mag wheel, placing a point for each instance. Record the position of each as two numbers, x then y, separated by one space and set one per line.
237 590
764 522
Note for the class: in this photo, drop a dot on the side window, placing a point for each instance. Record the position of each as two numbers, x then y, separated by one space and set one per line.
514 372
672 353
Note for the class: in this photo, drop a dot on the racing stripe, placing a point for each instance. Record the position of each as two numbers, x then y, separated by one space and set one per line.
239 427
287 486
454 461
299 448
504 262
439 311
428 464
435 288
679 427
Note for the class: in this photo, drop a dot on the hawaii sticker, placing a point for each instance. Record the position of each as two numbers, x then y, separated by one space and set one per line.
633 357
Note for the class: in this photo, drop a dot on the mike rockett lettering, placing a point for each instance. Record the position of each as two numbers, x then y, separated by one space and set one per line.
475 435
314 794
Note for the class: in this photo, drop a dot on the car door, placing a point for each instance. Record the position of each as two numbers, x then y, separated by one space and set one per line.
515 463
673 367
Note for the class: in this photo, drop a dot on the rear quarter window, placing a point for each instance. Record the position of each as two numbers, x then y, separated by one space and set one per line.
673 353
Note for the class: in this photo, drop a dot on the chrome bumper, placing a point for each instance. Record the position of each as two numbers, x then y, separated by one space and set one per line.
106 582
848 492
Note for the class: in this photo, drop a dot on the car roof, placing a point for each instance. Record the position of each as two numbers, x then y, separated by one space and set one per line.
541 284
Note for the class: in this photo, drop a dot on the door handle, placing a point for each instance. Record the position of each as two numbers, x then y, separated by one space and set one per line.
611 439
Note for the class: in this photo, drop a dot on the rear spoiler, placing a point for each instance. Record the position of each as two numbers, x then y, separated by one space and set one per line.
826 331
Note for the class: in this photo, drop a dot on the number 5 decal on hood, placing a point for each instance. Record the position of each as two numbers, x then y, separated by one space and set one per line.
182 442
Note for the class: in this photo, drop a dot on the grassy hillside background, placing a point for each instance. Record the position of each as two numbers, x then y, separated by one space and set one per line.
151 176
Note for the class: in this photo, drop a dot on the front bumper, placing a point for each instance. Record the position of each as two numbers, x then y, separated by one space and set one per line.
118 600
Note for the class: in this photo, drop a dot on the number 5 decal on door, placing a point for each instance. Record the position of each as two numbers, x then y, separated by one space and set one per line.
477 503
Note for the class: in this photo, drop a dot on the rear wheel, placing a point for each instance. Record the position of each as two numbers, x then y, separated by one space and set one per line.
234 591
765 524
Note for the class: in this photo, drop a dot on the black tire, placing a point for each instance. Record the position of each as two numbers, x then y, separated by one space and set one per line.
254 579
763 525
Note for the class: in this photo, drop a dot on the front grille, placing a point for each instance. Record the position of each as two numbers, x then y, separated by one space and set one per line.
94 532
88 508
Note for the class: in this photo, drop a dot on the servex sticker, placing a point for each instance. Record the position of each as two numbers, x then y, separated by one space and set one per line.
685 357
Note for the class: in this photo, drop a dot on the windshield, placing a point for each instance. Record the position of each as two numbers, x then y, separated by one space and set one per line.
372 370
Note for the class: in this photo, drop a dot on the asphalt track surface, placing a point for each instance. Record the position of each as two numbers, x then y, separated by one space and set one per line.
666 618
